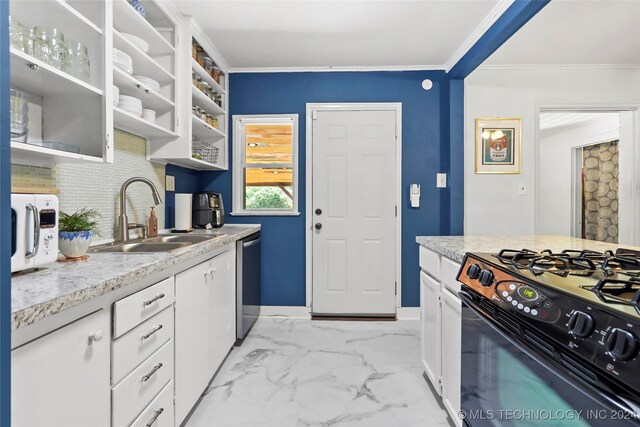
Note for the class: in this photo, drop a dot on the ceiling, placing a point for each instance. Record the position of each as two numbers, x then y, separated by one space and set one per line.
556 121
576 32
323 33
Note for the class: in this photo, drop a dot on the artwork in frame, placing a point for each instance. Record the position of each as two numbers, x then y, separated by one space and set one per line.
498 145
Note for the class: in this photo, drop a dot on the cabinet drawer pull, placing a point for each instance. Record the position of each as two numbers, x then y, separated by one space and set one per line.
156 414
151 332
152 300
146 378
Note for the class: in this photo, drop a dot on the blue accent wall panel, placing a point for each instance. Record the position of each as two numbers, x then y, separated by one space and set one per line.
455 188
186 182
5 222
423 140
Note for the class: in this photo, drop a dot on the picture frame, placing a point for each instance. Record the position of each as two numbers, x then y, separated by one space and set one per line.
498 145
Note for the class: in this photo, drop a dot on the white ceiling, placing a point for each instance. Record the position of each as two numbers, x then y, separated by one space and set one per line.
576 32
323 33
556 121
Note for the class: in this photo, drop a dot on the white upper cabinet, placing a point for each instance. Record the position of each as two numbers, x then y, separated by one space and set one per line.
203 88
144 70
58 64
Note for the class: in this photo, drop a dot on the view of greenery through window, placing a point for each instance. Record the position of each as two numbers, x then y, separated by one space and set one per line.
268 198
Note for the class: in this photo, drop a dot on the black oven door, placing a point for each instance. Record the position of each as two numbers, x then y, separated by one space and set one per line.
510 380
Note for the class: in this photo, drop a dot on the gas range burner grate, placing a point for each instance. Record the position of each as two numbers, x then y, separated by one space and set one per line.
615 291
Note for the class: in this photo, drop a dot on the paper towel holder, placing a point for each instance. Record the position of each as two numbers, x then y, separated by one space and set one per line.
182 213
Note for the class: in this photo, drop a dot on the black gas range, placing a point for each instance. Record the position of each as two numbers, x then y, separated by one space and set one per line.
569 318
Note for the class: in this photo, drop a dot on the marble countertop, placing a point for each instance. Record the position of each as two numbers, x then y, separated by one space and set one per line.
454 247
41 293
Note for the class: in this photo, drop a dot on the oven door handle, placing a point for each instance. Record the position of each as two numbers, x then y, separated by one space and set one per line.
617 402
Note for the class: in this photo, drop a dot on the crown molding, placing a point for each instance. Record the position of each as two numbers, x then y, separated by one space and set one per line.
557 66
330 69
486 23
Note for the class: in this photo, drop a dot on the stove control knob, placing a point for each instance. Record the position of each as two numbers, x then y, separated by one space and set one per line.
473 271
580 324
621 344
486 278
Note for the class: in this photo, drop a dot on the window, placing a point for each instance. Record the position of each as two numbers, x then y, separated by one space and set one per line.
265 165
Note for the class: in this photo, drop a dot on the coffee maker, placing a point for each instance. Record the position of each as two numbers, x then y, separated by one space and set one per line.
208 209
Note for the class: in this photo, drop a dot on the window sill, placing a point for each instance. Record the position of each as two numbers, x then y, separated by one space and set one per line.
265 213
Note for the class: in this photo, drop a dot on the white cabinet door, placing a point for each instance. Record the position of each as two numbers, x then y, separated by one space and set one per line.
62 379
192 333
451 353
430 315
222 307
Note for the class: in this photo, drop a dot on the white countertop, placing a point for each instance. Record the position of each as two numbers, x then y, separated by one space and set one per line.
37 294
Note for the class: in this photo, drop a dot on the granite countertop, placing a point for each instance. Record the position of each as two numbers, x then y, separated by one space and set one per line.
454 247
41 293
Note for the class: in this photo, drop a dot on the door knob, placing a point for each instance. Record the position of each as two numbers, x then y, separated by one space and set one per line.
318 226
318 211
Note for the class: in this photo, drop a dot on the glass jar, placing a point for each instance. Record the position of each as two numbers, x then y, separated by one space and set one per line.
208 64
206 88
194 78
209 119
59 52
194 110
78 61
194 48
203 114
200 56
19 116
216 73
214 122
218 100
20 37
42 44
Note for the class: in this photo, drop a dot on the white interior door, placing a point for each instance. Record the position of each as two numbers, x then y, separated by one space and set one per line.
354 193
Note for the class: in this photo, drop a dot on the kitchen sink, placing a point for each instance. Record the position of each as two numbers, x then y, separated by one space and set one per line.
161 243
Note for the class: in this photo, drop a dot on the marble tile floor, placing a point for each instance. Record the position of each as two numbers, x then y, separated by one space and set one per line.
295 372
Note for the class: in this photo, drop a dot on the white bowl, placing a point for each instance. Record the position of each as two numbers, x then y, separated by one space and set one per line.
126 68
151 83
137 41
149 115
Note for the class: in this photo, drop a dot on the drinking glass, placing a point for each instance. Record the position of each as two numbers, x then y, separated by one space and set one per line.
19 113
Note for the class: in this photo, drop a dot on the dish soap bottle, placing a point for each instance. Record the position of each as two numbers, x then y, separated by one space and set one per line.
152 224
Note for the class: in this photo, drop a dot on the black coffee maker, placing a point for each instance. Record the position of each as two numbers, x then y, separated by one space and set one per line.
208 210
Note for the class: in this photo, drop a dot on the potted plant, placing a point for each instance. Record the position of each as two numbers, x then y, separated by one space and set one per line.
76 231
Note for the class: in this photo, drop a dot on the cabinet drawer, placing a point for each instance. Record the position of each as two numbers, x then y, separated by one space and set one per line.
159 413
430 262
449 271
137 390
129 312
135 346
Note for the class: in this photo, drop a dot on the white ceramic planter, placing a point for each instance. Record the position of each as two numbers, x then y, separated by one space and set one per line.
74 244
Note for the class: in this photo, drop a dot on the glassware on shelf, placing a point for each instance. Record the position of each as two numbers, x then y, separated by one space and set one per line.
206 89
49 46
194 78
59 54
138 7
200 83
218 100
216 73
200 56
78 64
19 113
20 37
194 48
41 44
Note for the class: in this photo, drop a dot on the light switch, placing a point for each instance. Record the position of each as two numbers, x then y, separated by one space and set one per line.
441 180
170 183
415 195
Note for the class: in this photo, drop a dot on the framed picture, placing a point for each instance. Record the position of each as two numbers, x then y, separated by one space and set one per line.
498 145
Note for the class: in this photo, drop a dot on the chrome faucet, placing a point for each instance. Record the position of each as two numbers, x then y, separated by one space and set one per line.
123 222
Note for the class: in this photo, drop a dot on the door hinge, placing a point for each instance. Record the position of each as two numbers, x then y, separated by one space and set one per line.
396 288
396 211
396 131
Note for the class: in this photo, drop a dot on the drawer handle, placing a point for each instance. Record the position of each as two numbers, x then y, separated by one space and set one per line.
152 300
156 414
146 378
151 332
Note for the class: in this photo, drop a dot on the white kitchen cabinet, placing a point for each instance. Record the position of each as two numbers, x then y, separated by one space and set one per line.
451 353
63 378
204 326
70 120
430 315
198 138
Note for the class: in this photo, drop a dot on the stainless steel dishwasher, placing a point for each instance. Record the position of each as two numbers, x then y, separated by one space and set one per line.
248 284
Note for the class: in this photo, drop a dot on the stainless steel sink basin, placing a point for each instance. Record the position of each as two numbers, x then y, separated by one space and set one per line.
140 247
184 238
162 243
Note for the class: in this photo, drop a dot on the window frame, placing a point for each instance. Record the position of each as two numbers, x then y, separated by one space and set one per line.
238 165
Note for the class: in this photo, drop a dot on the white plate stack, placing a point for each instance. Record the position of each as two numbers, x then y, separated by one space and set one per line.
131 104
137 41
122 61
149 115
116 95
150 83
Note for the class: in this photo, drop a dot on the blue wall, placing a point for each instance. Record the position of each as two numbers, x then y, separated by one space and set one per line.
425 127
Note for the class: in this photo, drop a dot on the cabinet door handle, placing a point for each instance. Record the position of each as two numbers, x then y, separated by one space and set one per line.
151 332
95 337
152 300
156 414
146 378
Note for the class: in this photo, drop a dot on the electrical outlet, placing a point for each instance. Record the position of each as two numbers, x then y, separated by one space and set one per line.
522 189
170 183
441 180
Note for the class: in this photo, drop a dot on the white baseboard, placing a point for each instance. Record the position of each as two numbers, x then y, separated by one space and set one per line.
294 312
408 313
